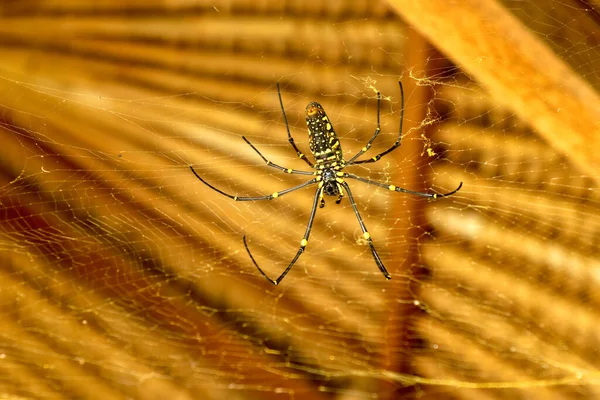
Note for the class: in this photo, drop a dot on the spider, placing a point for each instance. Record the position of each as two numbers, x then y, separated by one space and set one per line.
328 174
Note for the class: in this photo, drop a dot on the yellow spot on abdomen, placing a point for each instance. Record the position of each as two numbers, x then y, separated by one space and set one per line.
328 126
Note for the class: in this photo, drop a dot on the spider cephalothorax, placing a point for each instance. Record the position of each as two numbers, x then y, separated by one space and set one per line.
328 174
330 182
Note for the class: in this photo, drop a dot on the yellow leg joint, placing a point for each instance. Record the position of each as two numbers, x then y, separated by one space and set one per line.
392 187
367 235
275 195
303 243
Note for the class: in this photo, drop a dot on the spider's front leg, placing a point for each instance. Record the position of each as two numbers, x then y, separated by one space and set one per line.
321 199
366 234
303 242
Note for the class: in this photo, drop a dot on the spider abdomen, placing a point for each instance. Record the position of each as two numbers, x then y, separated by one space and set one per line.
323 140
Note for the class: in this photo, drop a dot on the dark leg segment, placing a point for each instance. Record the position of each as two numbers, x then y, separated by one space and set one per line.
279 167
268 197
370 142
302 243
399 189
398 141
366 234
290 138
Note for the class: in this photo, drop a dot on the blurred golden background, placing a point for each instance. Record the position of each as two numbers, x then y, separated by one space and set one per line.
123 276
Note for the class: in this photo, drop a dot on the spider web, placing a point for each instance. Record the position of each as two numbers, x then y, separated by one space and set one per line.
123 276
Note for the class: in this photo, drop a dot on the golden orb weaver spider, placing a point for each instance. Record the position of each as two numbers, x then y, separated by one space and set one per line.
329 174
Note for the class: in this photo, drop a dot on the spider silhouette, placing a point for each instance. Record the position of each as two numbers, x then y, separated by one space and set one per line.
329 175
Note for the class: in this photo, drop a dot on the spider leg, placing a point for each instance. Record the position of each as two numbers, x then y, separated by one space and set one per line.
398 141
267 197
290 138
399 189
279 167
370 142
366 234
302 243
